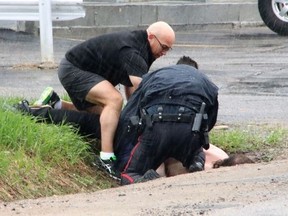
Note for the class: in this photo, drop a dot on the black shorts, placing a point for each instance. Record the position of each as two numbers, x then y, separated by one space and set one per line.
77 83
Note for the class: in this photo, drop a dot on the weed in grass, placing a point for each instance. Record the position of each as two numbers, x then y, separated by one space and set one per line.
233 140
276 136
253 139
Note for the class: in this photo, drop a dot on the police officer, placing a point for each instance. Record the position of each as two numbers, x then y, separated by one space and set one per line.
169 115
157 123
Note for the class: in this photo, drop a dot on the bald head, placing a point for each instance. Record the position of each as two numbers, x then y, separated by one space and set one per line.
161 38
163 30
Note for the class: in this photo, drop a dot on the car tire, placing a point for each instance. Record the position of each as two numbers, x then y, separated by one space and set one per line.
270 12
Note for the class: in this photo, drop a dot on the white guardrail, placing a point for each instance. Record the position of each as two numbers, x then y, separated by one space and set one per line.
44 11
28 10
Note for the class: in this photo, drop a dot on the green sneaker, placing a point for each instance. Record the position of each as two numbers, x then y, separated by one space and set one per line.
48 97
108 166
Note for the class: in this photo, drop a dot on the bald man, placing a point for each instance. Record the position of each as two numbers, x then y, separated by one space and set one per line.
91 70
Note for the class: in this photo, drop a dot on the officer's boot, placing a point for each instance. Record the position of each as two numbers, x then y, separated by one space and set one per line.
198 163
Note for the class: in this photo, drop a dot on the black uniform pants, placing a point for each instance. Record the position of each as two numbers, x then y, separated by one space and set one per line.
159 142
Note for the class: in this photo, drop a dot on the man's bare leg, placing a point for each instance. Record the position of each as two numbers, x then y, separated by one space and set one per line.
111 100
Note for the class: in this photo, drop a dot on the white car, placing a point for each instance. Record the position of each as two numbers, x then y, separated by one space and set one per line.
274 14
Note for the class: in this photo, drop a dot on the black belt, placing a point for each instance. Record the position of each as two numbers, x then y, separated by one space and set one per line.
172 118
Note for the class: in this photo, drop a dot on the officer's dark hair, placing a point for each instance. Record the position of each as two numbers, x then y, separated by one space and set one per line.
188 61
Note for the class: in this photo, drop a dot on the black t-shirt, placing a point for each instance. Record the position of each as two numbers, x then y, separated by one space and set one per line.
114 56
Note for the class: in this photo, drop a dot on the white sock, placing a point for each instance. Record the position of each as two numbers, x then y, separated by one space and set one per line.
106 155
58 105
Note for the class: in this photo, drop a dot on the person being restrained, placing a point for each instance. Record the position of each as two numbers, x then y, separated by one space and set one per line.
126 138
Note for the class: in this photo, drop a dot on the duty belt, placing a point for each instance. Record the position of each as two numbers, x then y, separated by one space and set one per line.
199 120
179 116
172 118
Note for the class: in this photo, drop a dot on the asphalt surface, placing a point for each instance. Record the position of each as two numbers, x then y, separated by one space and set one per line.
247 190
248 64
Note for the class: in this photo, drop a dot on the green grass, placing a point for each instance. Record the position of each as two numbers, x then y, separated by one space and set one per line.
258 139
39 159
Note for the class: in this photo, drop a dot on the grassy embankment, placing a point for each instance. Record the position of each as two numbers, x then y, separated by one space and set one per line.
39 159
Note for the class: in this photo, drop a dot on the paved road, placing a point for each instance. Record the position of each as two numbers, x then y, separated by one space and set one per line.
248 64
258 190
